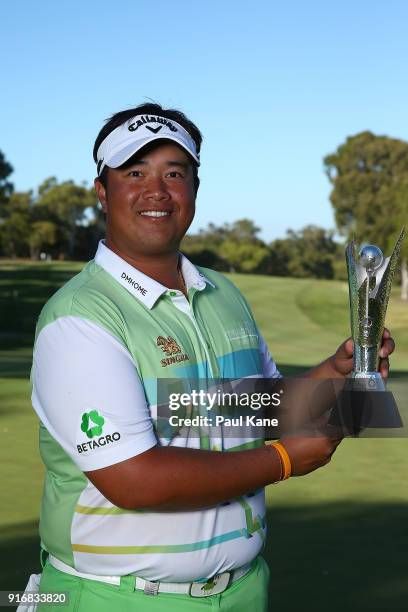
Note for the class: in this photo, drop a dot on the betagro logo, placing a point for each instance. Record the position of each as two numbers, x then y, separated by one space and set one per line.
95 418
92 425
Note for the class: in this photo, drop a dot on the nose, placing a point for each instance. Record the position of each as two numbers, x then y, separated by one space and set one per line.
155 189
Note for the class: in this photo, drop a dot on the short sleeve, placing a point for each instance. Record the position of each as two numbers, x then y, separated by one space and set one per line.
88 394
269 369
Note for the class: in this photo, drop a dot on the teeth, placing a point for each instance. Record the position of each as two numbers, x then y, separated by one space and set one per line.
154 213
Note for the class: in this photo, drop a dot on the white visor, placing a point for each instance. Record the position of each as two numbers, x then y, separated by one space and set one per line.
130 137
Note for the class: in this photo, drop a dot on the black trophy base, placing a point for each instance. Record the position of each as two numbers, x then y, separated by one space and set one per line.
359 410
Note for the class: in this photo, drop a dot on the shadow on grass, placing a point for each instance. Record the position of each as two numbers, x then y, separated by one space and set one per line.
15 367
23 293
19 554
338 557
331 557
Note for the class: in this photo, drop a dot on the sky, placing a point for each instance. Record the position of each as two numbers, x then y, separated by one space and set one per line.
273 86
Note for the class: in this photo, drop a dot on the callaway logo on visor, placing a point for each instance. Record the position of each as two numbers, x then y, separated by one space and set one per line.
149 119
129 138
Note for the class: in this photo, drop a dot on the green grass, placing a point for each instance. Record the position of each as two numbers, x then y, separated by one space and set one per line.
304 320
337 537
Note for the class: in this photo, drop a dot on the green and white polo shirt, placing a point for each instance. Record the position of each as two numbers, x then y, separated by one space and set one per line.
102 341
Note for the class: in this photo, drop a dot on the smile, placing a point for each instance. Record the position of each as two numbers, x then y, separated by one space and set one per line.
155 213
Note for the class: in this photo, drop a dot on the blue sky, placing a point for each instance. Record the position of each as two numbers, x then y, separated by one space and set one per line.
272 86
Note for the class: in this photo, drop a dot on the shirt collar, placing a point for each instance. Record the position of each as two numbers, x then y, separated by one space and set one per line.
143 287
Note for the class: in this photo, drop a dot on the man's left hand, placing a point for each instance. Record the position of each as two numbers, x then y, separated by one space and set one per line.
342 360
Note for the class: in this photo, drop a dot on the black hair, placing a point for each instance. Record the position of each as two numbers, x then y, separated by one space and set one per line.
148 109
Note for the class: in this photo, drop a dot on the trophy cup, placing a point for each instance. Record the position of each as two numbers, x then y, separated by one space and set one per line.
365 401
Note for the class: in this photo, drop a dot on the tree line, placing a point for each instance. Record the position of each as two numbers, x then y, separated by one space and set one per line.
369 178
236 247
60 220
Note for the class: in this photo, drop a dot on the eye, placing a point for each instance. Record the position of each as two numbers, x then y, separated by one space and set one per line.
136 173
175 174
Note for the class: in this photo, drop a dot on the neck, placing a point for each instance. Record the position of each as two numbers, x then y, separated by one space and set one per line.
162 268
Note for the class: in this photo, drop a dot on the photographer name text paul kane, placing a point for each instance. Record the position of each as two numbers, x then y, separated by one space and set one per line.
208 421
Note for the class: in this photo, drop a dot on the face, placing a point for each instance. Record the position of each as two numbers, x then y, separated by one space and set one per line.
149 205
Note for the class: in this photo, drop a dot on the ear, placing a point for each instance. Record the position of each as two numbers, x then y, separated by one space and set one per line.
101 193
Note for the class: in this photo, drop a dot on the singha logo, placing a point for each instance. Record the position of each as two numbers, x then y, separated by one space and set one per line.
170 348
168 345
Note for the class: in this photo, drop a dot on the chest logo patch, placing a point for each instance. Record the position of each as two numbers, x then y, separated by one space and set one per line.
173 351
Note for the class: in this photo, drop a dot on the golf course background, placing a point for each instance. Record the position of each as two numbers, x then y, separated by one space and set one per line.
338 538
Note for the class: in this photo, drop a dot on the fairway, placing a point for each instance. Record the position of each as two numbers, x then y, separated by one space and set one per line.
337 538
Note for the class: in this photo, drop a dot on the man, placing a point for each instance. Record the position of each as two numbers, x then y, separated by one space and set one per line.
133 519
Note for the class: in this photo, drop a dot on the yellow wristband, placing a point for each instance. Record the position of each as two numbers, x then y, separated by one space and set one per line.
285 460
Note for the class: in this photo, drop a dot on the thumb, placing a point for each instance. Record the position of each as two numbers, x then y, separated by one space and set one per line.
345 350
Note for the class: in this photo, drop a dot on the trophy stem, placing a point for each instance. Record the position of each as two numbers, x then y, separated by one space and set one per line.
365 358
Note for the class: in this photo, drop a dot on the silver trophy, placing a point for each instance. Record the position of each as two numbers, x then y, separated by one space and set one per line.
370 278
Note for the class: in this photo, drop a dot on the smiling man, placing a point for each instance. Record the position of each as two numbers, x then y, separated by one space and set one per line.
134 519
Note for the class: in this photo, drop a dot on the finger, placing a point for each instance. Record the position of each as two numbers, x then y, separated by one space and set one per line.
349 347
346 350
384 368
387 348
386 333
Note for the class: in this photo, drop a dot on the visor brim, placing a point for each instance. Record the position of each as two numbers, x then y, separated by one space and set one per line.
122 156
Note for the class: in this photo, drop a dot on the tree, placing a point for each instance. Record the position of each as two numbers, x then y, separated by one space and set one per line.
234 247
62 220
15 227
43 235
243 256
65 204
369 175
243 230
310 252
6 188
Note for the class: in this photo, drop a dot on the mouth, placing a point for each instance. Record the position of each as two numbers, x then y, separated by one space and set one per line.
155 214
